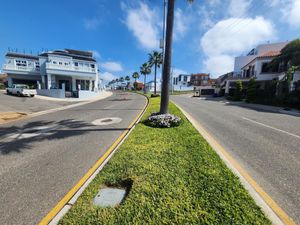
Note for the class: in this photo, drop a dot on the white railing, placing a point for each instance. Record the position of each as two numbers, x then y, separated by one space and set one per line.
70 68
20 68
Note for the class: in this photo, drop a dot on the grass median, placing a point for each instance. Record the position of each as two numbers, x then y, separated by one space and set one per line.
176 178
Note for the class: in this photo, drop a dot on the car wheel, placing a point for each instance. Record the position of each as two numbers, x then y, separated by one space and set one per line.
7 92
31 96
19 94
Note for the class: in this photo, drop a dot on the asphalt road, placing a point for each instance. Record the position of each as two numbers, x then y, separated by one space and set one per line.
42 158
12 103
266 144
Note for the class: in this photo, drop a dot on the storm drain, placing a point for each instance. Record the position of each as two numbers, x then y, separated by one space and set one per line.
106 121
109 197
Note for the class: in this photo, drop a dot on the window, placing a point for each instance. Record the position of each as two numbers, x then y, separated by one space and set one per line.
60 63
21 63
54 62
185 78
66 63
84 85
93 65
76 63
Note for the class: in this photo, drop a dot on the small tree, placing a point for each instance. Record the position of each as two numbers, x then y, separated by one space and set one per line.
135 76
251 90
238 90
145 70
155 59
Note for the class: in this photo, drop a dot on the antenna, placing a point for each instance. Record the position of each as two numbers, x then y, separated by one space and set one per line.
8 49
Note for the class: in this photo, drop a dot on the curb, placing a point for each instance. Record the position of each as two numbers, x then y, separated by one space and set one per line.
63 206
262 199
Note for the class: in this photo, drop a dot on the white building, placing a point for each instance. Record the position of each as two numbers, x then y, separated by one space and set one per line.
254 64
181 82
150 86
260 50
58 73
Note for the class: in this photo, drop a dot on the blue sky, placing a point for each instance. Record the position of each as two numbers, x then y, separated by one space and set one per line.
121 33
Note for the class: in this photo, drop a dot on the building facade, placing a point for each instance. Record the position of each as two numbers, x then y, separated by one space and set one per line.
70 71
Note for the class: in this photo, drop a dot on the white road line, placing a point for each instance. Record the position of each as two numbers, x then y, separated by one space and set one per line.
273 128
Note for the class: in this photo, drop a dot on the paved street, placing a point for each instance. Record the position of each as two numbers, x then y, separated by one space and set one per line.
266 144
11 103
42 158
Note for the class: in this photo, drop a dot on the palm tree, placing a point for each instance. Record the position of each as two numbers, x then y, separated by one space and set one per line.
127 78
121 79
155 59
135 76
168 58
145 69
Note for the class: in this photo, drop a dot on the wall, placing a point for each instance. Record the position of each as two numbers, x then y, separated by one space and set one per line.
55 93
86 94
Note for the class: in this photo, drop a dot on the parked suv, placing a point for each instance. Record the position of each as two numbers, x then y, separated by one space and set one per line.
20 90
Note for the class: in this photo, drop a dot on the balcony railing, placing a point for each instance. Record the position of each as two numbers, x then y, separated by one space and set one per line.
70 68
20 68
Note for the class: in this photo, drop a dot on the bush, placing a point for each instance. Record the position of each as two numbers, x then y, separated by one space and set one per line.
238 90
251 90
2 86
154 95
162 120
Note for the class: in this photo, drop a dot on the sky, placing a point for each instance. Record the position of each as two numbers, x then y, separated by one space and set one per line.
208 34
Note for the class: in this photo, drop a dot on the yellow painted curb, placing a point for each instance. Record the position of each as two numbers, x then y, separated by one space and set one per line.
268 200
47 219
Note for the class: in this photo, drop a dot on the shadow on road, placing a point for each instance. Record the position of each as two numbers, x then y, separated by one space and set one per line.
19 138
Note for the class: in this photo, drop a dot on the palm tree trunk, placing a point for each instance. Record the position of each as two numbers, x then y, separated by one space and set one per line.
168 59
155 78
145 84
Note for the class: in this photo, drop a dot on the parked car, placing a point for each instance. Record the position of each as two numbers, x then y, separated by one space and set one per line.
20 90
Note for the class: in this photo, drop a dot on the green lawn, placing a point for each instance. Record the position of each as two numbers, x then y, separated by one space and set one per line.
177 179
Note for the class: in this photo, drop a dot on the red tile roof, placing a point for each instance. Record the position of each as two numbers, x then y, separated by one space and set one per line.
269 54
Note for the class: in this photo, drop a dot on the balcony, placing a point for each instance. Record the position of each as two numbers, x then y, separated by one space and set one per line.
8 68
69 68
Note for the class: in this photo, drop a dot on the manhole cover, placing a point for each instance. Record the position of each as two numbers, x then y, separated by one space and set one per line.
106 121
109 197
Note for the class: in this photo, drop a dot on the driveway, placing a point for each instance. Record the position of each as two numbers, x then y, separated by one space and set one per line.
11 103
265 143
43 157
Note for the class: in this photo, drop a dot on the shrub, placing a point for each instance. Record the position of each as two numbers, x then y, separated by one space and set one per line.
154 95
238 90
251 90
162 120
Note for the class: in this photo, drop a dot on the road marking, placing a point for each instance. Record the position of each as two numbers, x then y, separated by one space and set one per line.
270 207
61 204
273 128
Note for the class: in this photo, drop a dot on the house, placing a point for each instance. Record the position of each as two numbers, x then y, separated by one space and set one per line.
200 79
150 86
57 73
181 82
254 64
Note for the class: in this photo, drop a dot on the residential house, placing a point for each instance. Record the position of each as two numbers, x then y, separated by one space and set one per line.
254 64
57 73
150 86
181 82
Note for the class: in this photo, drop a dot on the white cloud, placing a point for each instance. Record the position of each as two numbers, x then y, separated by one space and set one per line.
112 66
91 24
207 17
180 24
107 76
291 13
238 8
143 22
220 45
